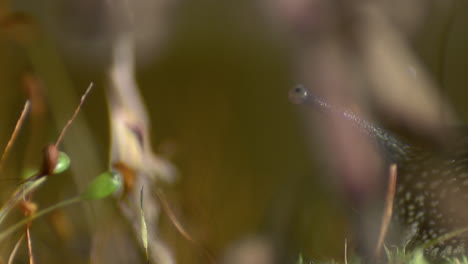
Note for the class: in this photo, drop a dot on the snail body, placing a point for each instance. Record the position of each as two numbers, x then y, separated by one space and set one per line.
432 188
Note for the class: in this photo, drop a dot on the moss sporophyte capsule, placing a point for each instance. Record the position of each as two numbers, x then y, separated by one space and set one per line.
432 188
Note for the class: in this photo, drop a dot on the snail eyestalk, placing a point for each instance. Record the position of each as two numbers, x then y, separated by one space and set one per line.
302 95
298 95
396 149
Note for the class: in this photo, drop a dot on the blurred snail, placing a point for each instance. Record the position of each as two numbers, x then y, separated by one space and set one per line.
432 186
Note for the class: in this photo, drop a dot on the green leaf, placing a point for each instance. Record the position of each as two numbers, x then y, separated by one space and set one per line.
63 163
300 260
102 186
418 257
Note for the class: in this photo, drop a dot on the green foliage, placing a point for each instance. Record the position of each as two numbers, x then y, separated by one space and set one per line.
415 257
396 255
300 260
102 186
63 163
18 195
459 260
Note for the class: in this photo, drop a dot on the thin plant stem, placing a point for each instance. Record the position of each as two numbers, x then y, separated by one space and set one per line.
387 215
28 238
70 121
346 251
15 250
14 227
19 194
15 133
167 210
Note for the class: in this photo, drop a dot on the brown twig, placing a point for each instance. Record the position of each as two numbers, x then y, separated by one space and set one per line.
28 238
28 209
70 121
387 215
167 210
15 133
15 250
51 152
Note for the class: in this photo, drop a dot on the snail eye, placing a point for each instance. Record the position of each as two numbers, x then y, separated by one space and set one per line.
298 94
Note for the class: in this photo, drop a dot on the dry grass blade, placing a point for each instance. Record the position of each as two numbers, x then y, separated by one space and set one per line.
77 110
167 210
15 250
15 133
388 211
144 229
346 251
28 238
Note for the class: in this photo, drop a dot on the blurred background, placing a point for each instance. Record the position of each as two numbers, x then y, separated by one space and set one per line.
253 180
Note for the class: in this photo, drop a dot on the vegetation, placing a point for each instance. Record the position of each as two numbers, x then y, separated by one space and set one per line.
186 149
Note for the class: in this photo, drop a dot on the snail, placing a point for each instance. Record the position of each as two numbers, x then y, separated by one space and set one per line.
430 207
